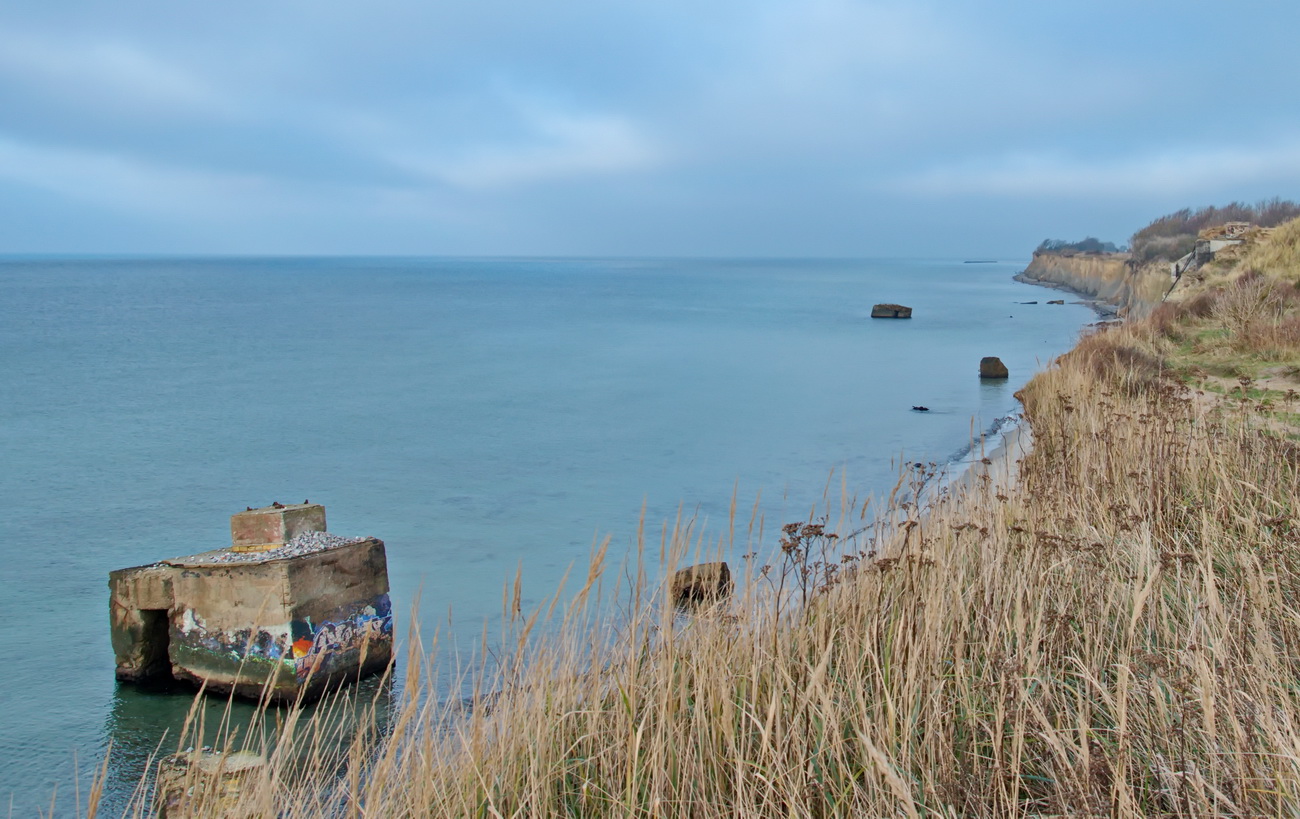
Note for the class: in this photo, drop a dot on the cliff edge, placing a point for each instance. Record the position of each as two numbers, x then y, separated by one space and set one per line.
1110 278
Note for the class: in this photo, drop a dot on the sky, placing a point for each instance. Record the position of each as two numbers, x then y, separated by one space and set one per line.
808 128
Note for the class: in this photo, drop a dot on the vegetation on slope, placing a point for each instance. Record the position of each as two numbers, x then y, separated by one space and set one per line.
1089 245
1172 236
1117 633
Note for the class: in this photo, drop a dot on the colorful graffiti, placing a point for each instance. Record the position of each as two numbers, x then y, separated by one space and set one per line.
302 647
317 648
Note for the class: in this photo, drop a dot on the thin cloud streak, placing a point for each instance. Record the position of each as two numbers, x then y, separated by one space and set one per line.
558 148
1168 172
119 181
102 72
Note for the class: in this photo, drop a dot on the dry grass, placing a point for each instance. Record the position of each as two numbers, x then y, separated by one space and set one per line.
1274 255
1244 324
1278 256
1116 634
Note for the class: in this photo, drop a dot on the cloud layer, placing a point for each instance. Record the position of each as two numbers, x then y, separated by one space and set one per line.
822 127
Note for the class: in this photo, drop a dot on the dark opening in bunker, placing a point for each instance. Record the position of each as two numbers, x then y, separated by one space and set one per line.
155 640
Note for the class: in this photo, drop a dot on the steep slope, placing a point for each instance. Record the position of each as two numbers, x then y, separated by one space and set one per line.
1108 277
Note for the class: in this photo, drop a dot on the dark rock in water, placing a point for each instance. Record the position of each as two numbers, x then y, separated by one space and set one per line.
992 367
921 409
702 583
1057 301
891 311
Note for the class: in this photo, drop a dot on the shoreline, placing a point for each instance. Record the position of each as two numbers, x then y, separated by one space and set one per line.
1014 439
996 454
1106 311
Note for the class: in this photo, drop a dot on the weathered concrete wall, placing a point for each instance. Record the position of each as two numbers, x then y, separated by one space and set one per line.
275 524
338 601
139 604
230 625
1107 277
288 625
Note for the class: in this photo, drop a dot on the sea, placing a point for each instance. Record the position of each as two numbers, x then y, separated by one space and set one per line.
482 416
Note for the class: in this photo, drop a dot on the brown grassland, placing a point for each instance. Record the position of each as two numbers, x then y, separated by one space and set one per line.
1115 630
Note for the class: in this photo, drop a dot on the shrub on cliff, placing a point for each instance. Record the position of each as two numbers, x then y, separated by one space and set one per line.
1173 235
1118 362
1088 245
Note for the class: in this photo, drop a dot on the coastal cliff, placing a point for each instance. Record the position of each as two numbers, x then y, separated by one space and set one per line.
1110 278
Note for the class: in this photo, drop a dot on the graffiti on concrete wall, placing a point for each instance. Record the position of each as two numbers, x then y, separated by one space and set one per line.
316 647
301 646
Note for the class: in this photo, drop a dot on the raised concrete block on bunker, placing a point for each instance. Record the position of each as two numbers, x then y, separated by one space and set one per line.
891 311
274 525
992 367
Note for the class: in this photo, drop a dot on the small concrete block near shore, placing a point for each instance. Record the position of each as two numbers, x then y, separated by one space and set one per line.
702 583
203 780
992 367
293 619
891 311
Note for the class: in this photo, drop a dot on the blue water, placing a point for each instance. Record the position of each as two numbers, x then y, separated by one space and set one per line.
475 414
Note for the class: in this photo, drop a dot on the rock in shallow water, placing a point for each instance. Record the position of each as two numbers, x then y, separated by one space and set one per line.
992 367
702 583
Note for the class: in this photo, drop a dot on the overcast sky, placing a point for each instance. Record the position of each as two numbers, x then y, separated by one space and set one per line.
633 127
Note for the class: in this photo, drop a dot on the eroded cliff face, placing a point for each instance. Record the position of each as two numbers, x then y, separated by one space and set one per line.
1107 277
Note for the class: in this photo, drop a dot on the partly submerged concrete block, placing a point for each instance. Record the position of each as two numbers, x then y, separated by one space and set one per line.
274 525
891 311
289 622
702 583
992 367
298 624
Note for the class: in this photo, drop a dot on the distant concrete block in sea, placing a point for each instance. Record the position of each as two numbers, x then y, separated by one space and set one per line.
891 311
287 609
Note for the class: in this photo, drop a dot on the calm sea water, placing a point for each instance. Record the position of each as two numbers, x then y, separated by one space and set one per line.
476 414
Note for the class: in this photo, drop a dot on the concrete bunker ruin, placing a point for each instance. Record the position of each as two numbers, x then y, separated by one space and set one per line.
287 609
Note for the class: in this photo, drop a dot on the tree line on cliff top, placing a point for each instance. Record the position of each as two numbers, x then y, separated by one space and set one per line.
1173 235
1088 245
